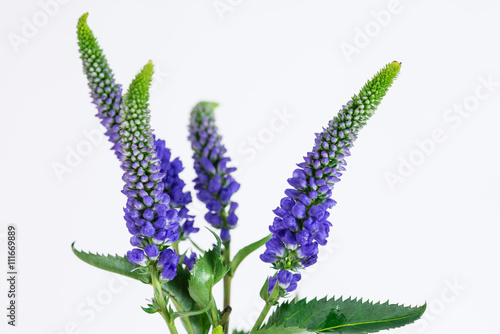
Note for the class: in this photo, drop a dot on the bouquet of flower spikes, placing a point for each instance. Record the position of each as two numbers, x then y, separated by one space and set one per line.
157 216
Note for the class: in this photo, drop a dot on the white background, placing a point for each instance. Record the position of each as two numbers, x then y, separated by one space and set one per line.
435 227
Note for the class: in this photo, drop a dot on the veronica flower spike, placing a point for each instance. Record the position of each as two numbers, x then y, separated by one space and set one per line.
301 223
214 183
150 220
106 94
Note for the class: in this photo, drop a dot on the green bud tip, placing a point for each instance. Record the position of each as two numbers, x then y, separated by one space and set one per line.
204 108
82 25
139 88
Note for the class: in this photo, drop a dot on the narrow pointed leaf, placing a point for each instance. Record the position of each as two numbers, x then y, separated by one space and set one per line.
245 251
115 264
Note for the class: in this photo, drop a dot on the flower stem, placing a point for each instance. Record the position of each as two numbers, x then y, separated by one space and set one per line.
261 318
271 299
175 247
160 299
227 281
187 323
215 315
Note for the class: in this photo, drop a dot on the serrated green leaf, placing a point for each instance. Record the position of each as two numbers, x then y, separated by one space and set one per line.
179 295
343 316
283 330
115 264
245 251
207 271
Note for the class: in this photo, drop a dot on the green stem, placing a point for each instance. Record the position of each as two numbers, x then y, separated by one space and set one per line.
160 299
175 246
271 299
227 281
179 308
228 277
215 315
261 318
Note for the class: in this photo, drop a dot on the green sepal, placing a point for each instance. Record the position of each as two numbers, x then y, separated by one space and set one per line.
271 299
207 271
342 316
245 251
151 309
115 264
148 310
177 289
264 293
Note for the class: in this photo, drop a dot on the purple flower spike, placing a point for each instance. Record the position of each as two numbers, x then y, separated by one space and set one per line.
214 183
148 215
301 224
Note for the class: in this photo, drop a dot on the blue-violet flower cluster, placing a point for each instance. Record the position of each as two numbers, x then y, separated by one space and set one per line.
286 280
148 215
301 222
174 187
214 183
107 96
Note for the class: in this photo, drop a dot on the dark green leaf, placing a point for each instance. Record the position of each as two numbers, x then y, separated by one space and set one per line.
207 271
283 330
179 295
343 316
245 251
115 264
239 332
